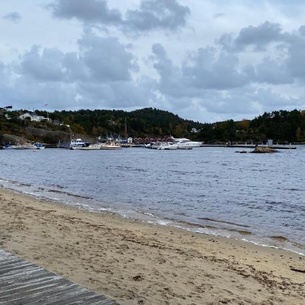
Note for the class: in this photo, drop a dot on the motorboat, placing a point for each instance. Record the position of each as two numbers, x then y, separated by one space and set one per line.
162 145
151 145
154 145
110 145
77 143
95 146
38 145
72 143
168 146
184 143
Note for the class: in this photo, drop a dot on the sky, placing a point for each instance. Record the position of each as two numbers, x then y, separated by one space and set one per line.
206 61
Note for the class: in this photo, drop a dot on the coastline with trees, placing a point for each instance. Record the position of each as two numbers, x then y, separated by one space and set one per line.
142 125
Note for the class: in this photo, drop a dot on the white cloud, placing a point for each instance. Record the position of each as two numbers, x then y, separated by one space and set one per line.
89 11
106 58
150 14
194 58
162 14
43 65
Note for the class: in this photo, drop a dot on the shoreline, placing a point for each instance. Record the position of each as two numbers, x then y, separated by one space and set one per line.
228 230
134 262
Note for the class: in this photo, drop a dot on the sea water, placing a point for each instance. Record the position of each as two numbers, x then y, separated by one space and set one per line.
211 190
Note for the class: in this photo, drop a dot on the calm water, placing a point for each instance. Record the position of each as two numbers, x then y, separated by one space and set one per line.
256 197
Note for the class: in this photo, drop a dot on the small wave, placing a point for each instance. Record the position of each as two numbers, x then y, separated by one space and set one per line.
57 186
223 221
273 203
292 189
127 168
195 225
241 232
69 194
176 172
18 183
292 247
279 238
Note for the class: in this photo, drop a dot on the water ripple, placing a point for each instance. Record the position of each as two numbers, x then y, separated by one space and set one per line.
257 194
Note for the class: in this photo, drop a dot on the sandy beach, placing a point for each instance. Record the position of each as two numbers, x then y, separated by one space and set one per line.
138 263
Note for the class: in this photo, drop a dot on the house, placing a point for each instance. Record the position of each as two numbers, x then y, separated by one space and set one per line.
33 117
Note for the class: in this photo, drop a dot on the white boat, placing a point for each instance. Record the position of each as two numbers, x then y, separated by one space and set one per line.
87 147
168 146
184 143
38 146
72 143
162 145
77 143
111 145
152 145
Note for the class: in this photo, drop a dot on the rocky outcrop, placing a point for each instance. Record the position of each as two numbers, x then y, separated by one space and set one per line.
264 150
12 139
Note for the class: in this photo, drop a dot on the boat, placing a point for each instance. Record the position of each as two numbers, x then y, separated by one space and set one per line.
184 143
162 145
110 145
95 146
38 146
151 145
72 143
77 143
168 146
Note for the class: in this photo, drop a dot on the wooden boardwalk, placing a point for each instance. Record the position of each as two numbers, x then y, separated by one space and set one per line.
22 283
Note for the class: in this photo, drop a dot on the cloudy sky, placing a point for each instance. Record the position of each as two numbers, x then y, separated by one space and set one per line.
208 60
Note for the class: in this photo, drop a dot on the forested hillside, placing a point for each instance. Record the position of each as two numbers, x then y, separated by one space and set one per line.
281 126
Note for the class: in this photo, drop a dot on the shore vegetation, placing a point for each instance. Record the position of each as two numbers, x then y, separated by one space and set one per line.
50 127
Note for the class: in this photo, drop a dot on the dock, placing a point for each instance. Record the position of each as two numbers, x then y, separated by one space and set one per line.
24 283
274 146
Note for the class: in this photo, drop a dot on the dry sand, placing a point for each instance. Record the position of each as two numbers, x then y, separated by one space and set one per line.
136 263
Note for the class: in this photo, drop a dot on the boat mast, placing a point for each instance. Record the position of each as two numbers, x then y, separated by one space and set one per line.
125 130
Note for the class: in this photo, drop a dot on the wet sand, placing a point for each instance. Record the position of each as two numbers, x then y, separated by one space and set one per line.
138 263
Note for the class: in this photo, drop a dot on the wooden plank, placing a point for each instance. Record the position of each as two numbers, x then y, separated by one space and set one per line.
24 283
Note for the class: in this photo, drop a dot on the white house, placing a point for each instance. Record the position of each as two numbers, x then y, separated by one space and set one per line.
33 117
